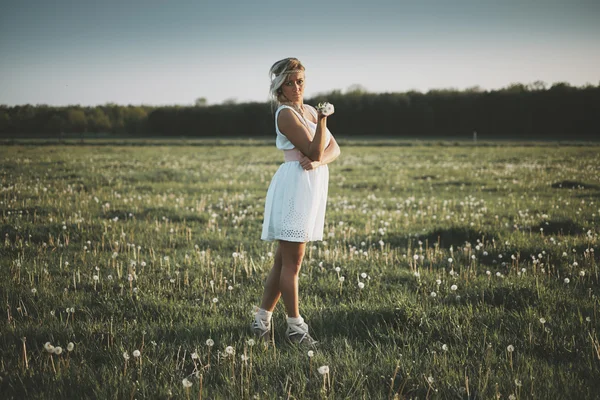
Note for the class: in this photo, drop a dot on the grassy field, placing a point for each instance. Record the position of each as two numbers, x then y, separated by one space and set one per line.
448 272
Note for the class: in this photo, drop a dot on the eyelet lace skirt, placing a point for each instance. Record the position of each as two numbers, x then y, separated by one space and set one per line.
295 205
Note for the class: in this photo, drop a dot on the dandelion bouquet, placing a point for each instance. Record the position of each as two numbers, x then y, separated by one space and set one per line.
325 108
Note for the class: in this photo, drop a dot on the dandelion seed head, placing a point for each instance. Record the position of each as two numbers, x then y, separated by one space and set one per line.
126 355
229 350
70 346
58 350
311 353
453 287
48 347
210 342
510 348
186 383
324 369
136 353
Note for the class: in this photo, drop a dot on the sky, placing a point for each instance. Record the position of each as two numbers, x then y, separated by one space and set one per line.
164 52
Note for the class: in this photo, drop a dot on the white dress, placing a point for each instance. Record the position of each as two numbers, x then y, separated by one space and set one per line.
296 199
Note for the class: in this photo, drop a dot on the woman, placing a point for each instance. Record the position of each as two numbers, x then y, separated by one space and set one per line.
297 195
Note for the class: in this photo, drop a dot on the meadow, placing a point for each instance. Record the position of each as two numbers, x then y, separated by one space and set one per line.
448 271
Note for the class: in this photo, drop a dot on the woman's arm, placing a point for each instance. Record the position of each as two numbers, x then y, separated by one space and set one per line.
291 126
332 151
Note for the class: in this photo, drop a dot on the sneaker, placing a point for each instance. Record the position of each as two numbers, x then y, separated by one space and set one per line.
298 333
261 329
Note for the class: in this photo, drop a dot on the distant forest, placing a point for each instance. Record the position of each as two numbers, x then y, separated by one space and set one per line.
533 111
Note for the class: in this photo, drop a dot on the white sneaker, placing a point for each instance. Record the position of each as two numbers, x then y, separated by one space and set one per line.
298 333
261 328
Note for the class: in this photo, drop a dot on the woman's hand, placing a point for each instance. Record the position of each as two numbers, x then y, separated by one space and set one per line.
307 164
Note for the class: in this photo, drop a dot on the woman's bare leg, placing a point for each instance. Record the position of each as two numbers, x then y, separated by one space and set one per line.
292 254
272 293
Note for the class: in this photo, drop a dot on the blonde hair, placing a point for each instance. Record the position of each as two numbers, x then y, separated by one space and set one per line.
278 73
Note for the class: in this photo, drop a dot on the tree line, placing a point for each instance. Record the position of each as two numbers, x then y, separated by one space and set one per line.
532 111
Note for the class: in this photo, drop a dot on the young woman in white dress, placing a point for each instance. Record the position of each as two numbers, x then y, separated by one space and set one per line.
297 195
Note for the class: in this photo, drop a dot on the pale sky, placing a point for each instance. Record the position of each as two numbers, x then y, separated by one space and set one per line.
162 52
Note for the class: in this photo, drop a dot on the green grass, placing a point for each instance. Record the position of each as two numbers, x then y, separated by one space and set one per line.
172 217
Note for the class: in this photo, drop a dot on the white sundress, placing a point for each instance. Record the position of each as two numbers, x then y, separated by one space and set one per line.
296 199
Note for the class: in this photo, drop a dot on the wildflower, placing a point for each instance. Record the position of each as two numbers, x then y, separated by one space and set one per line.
438 281
70 346
337 269
542 320
453 287
311 353
445 347
136 353
34 291
49 348
433 294
57 350
230 288
215 300
488 273
126 355
567 280
186 383
575 263
96 278
229 350
510 348
363 275
416 257
210 342
342 279
582 273
251 342
361 285
324 369
450 260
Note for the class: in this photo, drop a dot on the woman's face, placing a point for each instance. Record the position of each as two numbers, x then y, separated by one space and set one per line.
293 87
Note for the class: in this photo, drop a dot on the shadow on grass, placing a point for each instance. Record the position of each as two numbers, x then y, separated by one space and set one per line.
560 227
455 236
574 185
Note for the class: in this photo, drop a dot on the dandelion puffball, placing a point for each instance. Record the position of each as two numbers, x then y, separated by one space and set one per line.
229 350
510 348
70 346
210 342
325 108
136 353
311 353
57 350
186 383
453 287
361 285
48 347
126 355
324 369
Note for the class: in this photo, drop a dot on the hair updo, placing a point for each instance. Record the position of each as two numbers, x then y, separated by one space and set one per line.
278 73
